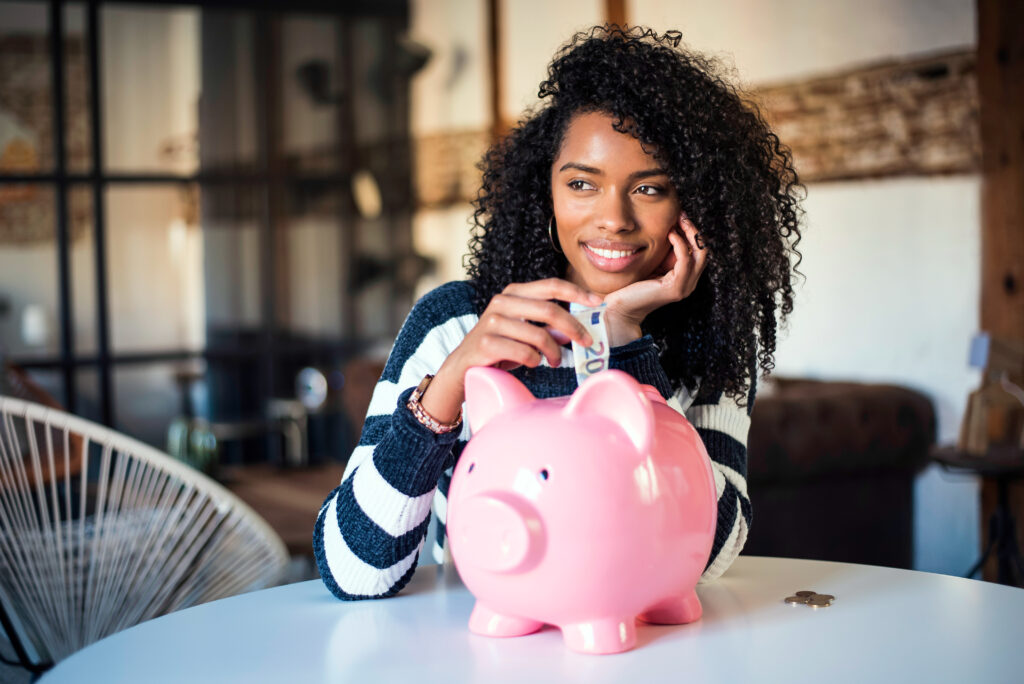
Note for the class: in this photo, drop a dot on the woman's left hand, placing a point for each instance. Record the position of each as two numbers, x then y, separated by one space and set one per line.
674 280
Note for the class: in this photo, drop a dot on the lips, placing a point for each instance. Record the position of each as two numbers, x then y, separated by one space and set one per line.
611 257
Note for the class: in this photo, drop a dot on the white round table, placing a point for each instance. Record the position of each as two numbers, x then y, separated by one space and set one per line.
885 626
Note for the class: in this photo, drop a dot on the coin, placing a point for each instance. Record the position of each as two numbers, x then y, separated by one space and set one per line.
819 602
830 597
805 594
796 599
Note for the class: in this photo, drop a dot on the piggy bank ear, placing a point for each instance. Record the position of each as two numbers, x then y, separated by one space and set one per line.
615 395
490 391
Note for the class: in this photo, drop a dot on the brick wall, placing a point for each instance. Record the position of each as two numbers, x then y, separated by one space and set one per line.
914 117
27 211
900 118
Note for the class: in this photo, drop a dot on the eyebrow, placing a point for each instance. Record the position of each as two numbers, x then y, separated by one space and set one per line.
646 173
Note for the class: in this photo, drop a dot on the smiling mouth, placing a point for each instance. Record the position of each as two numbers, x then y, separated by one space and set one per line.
611 259
611 253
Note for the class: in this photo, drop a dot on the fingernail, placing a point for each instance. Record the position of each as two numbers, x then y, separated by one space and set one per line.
595 299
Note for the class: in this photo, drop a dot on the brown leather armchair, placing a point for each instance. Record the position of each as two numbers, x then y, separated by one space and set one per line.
831 470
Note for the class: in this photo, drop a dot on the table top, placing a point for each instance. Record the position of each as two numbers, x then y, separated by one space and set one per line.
999 462
885 625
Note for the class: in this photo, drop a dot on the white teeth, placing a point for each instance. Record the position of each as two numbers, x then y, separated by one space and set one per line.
609 253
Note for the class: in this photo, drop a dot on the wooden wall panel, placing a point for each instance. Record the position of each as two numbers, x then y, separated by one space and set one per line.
1001 91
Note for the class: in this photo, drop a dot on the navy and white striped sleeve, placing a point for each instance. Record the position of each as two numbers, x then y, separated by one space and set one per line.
371 528
723 426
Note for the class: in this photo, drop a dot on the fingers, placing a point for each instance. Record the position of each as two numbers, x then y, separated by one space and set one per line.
557 334
537 338
541 311
506 335
506 353
554 288
687 258
698 250
693 237
682 255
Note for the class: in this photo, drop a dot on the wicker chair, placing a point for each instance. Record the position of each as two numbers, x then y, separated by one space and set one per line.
99 532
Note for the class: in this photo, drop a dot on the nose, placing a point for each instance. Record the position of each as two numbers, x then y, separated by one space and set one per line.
615 215
496 532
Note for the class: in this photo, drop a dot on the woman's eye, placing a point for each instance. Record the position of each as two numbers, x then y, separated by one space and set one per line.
579 185
649 190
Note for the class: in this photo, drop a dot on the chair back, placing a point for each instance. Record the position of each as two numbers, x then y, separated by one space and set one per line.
99 532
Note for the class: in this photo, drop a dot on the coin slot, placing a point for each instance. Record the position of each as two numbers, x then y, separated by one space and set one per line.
543 475
471 466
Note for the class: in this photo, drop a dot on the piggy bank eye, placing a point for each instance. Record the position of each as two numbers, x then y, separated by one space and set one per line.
471 466
543 475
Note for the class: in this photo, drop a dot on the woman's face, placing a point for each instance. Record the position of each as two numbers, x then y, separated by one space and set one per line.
614 206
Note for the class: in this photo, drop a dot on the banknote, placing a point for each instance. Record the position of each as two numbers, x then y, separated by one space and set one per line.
592 359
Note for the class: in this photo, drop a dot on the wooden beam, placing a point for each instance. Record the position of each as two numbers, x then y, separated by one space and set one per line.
498 126
905 117
1001 92
615 12
1001 96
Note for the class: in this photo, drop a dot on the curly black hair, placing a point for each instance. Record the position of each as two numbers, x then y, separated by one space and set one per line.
734 180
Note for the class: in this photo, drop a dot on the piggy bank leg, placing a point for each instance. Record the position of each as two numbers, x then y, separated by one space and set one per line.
489 623
601 636
676 610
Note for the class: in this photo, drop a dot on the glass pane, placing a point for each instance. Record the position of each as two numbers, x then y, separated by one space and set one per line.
29 313
83 269
373 96
311 275
87 394
39 386
146 399
229 104
231 264
26 129
375 275
77 135
150 76
311 90
155 268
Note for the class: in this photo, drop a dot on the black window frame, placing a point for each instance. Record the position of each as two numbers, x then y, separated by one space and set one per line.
272 175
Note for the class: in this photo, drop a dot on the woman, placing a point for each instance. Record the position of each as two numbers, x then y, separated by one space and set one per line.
642 181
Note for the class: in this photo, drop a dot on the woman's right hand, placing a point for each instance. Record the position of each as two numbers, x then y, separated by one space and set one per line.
505 337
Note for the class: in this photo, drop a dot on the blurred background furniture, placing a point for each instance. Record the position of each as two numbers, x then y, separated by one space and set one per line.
831 470
1003 466
288 496
288 499
99 532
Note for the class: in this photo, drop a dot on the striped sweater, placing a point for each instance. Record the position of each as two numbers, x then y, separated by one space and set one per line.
372 527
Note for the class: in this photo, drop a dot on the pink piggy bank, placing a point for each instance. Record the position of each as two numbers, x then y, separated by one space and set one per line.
583 512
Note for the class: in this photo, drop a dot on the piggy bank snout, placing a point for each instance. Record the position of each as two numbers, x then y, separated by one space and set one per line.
498 532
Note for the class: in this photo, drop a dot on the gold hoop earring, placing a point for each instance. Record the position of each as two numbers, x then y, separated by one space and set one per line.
551 235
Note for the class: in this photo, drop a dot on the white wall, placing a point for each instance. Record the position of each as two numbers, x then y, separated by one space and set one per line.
452 91
532 31
892 287
786 39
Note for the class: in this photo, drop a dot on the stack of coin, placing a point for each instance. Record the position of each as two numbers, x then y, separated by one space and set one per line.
810 598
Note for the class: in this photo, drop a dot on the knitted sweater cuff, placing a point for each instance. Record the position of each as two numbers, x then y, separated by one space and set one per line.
412 438
639 358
